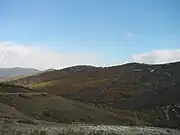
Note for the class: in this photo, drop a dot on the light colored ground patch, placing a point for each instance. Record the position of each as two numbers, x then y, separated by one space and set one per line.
42 85
86 130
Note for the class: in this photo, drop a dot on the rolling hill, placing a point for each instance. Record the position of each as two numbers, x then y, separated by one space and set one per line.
149 91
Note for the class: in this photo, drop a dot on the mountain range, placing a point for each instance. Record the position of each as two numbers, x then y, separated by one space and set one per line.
17 71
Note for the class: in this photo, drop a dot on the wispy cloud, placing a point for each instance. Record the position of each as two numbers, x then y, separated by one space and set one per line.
16 55
158 56
128 35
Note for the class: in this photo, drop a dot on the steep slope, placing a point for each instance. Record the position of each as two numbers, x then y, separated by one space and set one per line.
17 71
143 89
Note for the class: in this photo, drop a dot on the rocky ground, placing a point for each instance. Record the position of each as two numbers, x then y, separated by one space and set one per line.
79 129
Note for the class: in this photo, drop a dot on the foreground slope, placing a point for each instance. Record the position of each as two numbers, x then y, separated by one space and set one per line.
19 104
150 91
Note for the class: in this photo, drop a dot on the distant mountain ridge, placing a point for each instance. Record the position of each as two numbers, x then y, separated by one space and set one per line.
17 71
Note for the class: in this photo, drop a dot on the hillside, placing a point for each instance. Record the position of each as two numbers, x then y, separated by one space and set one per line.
17 71
19 104
147 90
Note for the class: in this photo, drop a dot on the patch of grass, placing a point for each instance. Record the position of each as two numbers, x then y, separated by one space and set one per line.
42 85
150 117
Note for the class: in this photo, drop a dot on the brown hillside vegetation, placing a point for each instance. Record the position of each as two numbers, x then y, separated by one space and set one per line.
144 89
18 104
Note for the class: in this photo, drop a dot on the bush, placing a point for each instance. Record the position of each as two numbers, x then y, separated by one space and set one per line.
24 96
26 121
39 133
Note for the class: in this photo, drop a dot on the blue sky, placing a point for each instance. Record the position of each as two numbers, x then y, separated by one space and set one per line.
114 29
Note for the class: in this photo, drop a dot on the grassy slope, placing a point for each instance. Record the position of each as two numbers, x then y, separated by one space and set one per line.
54 109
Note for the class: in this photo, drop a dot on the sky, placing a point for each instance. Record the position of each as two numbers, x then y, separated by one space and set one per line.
46 34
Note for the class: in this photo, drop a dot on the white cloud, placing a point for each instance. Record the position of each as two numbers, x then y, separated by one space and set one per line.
158 56
128 35
15 55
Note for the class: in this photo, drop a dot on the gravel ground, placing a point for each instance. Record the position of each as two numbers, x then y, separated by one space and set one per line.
22 129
